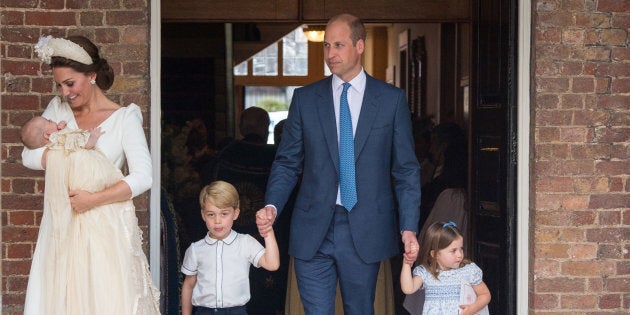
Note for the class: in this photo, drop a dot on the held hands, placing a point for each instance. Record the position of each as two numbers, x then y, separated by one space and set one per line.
411 247
412 253
264 220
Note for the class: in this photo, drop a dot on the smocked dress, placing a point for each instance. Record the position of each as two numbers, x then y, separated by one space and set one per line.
442 294
91 262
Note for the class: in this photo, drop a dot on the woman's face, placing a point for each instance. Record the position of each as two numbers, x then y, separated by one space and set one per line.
75 87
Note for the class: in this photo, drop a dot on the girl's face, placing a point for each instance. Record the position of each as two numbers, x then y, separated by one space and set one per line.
218 221
75 87
451 256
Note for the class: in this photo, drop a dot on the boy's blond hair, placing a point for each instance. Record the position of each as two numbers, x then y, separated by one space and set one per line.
220 194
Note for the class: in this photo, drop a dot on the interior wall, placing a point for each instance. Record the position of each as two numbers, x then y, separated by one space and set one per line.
205 41
431 33
315 10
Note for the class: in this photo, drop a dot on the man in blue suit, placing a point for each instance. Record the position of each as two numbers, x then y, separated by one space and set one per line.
332 241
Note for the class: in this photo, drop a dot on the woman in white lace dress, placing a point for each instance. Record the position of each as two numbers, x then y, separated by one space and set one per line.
88 258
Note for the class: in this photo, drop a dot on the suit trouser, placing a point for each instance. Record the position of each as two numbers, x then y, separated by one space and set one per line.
337 259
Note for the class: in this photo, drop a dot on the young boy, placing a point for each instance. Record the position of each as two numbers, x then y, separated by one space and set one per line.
217 267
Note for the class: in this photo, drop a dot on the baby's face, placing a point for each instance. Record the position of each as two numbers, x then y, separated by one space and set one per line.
49 127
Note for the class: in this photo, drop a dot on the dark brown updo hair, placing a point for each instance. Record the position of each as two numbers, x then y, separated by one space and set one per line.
104 73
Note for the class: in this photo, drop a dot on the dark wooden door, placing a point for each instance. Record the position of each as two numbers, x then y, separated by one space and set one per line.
493 149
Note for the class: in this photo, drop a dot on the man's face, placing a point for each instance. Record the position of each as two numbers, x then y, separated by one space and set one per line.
342 57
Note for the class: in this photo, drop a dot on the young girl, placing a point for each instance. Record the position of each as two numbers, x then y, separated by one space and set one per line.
441 271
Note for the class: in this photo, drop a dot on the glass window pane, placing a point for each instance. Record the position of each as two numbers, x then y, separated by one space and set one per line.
274 99
241 68
295 53
265 63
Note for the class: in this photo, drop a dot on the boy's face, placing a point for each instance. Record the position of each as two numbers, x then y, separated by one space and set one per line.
218 221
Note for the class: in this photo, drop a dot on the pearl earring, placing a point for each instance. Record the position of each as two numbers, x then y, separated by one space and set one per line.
92 81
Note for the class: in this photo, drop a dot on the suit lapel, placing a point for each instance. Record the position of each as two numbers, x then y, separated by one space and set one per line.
326 111
369 110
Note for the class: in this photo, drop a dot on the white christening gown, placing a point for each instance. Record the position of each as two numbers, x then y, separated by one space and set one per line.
91 262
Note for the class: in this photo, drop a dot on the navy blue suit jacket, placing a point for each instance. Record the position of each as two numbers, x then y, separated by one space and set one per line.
387 171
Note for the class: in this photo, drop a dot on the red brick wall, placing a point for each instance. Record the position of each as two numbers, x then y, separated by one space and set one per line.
121 29
581 182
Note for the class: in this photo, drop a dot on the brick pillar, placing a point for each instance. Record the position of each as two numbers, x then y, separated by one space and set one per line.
581 182
121 30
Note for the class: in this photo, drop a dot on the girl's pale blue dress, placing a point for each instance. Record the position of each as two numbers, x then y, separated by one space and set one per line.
442 296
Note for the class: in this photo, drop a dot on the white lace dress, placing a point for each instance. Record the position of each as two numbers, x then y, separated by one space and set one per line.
91 262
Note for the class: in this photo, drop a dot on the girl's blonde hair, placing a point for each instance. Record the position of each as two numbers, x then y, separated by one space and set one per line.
438 235
220 194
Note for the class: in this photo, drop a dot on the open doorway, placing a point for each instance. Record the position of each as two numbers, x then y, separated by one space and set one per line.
464 85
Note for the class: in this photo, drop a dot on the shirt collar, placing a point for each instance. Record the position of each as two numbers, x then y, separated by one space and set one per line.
228 240
358 82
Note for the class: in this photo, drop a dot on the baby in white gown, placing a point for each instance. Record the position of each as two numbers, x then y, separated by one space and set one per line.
93 261
39 131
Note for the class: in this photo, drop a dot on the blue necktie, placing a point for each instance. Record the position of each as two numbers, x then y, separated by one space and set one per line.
348 187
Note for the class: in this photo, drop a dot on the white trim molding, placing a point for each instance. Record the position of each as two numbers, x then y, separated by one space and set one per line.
522 185
156 143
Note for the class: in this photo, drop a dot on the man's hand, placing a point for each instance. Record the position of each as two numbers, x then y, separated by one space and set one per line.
264 220
411 247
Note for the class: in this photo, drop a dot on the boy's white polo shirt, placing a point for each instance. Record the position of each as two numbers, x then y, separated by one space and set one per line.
222 269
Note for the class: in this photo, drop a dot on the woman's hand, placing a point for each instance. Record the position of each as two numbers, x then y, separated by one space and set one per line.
81 200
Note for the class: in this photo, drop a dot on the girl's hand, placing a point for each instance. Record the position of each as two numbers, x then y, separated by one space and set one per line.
465 310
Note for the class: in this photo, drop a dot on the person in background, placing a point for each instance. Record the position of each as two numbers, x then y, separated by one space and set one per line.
449 154
345 241
277 132
422 138
217 266
103 270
